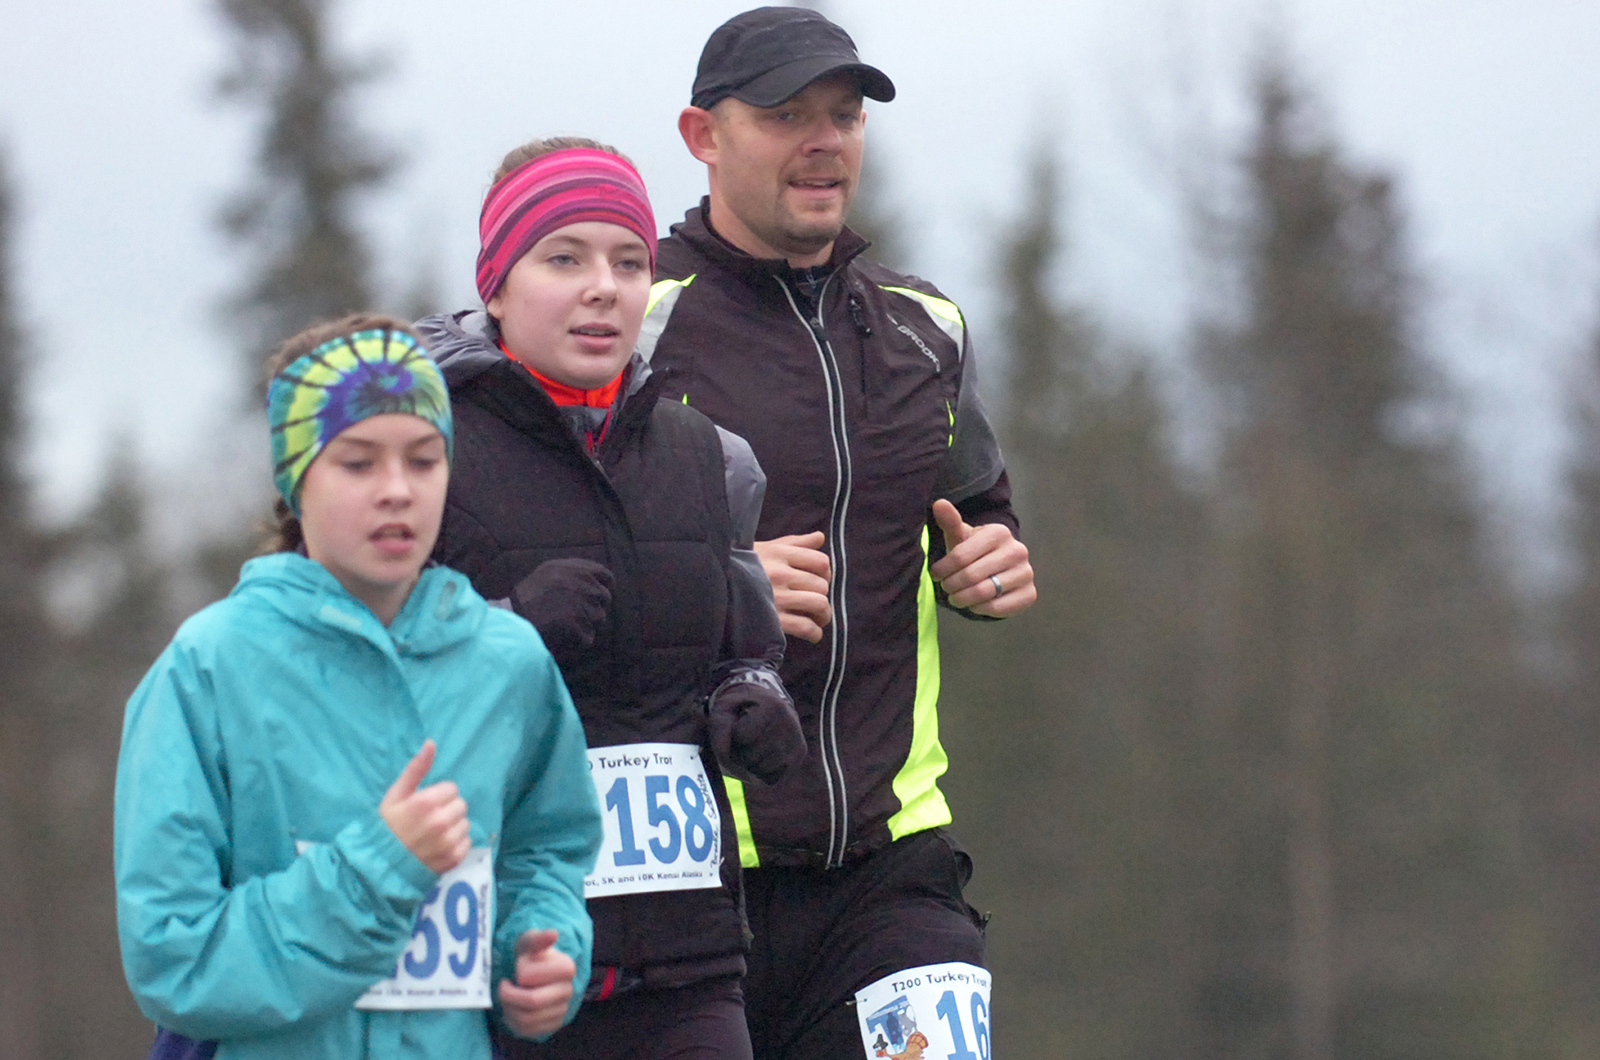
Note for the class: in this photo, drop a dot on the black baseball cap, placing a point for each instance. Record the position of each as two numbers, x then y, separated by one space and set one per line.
767 55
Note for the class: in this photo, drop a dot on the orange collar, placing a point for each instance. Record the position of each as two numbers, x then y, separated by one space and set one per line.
562 394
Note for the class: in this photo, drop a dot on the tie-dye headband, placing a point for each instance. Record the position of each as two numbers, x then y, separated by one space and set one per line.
341 383
554 190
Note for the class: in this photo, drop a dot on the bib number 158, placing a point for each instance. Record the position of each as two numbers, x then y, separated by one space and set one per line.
694 837
662 829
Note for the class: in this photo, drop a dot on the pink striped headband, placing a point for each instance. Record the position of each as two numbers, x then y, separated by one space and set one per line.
553 191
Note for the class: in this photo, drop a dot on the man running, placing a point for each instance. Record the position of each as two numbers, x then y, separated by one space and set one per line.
886 495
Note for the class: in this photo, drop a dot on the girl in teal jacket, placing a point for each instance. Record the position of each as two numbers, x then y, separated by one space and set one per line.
287 882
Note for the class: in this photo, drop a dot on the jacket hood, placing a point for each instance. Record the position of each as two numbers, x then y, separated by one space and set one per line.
465 344
441 612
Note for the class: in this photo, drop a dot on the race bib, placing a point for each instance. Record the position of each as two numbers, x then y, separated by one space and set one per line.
662 828
938 1012
447 963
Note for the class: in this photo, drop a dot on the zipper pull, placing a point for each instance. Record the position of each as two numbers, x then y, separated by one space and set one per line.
858 317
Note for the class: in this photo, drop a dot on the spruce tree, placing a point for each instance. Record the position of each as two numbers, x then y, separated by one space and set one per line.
24 725
104 655
1369 640
1065 716
314 164
305 254
62 993
1562 752
1582 603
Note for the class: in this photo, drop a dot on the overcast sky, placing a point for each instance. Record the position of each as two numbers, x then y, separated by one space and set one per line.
1487 112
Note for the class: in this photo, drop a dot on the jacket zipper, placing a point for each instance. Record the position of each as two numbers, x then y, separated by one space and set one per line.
838 638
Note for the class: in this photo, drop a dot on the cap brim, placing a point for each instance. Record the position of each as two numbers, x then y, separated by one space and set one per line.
787 81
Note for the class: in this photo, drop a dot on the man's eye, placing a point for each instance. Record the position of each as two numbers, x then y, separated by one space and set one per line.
355 465
563 259
632 264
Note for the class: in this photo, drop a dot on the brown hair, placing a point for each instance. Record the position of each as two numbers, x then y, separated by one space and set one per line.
539 148
284 534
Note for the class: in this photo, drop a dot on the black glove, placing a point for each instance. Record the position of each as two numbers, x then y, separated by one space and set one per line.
755 731
566 600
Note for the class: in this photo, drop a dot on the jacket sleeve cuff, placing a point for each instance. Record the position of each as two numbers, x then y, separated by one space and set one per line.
376 855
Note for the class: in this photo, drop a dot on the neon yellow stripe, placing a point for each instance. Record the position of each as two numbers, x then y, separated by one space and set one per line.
663 298
748 858
659 289
945 313
922 804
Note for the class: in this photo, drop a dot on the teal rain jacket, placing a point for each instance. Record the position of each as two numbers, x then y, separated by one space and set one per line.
275 722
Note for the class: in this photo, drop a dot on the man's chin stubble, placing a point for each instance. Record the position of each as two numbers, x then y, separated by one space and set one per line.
809 241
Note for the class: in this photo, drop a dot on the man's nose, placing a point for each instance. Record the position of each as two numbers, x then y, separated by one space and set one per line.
824 135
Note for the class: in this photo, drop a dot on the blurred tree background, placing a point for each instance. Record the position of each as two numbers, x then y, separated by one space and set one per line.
1280 766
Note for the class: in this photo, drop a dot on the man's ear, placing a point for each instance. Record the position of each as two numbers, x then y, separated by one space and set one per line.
698 129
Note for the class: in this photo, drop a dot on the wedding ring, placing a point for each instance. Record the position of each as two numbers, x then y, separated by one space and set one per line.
999 589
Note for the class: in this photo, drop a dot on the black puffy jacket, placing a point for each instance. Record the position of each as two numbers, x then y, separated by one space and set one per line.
652 505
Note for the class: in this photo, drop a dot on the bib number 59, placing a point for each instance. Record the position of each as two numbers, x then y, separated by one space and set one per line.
446 963
460 917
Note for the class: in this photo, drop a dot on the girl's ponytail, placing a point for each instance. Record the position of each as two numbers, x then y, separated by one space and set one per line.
286 535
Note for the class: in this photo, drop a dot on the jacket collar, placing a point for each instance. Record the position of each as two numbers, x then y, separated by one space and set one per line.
503 389
442 610
695 229
466 344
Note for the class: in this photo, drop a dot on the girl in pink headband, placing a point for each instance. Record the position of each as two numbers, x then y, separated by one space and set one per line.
619 522
550 191
567 247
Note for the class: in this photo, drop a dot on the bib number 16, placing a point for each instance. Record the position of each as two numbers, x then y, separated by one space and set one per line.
936 1012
